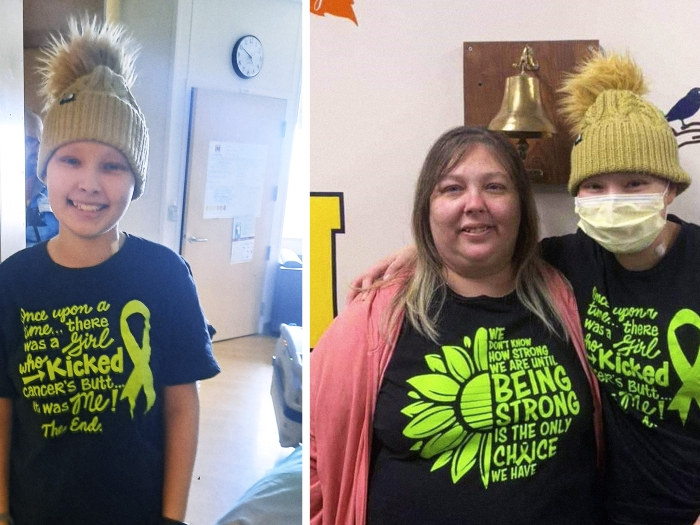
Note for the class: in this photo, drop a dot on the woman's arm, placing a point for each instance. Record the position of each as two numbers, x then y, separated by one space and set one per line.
315 492
5 439
181 431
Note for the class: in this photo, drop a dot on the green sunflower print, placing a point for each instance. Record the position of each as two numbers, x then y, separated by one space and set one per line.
452 416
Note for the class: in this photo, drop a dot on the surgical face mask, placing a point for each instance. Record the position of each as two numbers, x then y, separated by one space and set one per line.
622 223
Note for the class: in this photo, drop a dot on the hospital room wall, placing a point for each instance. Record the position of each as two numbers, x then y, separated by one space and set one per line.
186 44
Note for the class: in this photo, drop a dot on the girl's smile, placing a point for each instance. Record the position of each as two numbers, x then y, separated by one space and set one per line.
90 186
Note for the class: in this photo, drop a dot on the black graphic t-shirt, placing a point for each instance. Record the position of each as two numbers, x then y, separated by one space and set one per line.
494 425
84 355
642 332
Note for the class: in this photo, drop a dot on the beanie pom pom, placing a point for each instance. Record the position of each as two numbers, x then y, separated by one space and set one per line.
88 45
600 72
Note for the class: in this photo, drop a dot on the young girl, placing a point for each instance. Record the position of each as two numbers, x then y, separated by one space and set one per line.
102 337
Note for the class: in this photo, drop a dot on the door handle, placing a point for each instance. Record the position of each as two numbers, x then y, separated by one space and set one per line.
192 238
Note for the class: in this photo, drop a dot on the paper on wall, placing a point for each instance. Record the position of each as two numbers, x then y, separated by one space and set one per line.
243 239
235 180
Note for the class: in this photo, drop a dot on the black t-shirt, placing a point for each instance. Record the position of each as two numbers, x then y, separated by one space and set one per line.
494 425
642 332
85 354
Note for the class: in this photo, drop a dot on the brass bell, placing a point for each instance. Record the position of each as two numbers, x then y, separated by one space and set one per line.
522 115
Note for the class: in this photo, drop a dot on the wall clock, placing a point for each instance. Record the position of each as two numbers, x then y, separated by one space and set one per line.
247 56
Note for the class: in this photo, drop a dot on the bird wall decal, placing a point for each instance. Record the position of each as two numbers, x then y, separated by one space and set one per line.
685 107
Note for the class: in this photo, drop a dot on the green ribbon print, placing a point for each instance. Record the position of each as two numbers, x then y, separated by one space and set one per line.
73 370
141 376
688 374
494 402
626 348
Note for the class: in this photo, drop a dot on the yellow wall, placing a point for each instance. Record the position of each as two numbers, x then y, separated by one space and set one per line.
326 213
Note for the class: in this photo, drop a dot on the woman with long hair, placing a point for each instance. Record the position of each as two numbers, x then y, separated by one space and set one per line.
458 391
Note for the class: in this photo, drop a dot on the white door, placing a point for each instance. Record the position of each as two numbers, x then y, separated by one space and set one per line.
233 165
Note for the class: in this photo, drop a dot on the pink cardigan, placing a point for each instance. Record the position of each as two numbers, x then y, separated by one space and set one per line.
347 367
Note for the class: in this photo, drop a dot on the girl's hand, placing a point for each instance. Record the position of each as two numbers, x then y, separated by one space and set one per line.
383 270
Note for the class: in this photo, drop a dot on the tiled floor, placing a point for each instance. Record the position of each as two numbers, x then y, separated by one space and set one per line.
238 440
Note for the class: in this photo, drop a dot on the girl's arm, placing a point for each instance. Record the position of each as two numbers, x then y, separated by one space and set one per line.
5 439
383 270
181 431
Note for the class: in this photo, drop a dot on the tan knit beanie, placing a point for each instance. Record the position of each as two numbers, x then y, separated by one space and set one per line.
617 131
87 81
